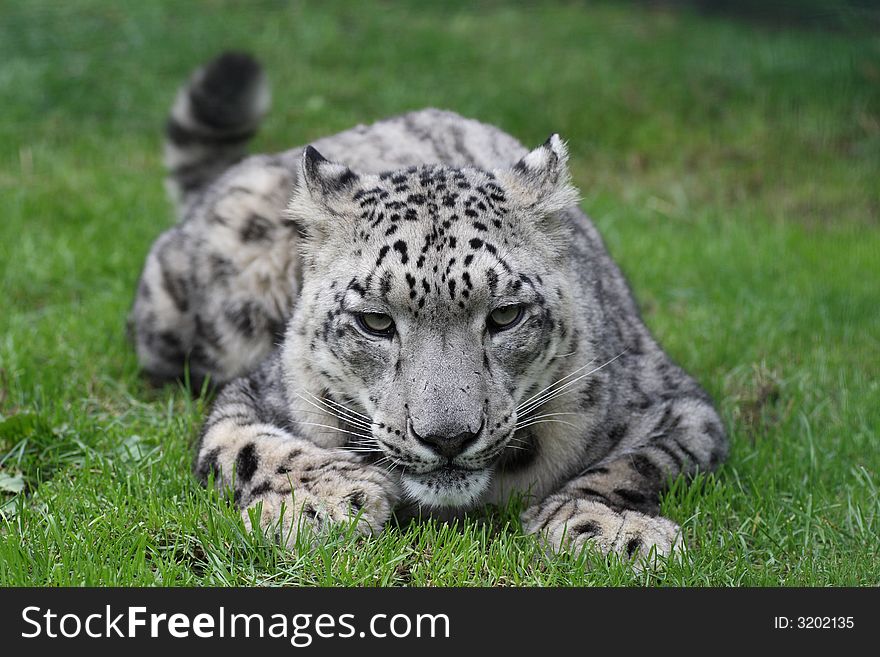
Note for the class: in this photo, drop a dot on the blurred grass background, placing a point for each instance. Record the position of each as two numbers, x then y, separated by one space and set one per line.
730 155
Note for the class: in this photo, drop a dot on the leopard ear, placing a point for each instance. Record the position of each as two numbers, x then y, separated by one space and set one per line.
540 182
319 199
323 177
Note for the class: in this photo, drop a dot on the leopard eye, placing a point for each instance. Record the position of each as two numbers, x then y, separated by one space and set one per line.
505 317
376 323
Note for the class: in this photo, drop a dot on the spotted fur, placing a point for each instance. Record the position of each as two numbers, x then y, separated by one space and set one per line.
436 221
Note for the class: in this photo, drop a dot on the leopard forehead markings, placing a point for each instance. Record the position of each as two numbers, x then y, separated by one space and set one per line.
429 229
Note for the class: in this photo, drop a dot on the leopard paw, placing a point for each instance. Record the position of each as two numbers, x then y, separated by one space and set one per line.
641 536
567 524
363 498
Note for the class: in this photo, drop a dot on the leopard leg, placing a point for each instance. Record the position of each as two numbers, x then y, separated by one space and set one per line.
614 504
287 478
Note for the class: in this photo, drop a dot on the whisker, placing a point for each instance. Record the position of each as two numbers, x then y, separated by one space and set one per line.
320 408
332 428
342 406
558 381
530 424
352 417
325 413
526 416
394 464
531 406
562 390
362 443
355 423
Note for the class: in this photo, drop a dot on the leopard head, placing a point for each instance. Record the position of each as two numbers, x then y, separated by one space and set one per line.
433 300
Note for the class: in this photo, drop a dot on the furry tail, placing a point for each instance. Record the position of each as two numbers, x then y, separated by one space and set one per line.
214 116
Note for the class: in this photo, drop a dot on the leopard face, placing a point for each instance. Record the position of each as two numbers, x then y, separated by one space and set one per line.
433 300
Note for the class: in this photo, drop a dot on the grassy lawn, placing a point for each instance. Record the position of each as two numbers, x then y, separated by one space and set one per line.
733 169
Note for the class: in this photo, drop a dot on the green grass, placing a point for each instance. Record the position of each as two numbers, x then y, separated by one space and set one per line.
733 169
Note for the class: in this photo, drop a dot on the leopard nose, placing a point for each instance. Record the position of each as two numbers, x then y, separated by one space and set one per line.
448 446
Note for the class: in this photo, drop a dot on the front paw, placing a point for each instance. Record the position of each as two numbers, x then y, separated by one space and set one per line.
362 497
566 524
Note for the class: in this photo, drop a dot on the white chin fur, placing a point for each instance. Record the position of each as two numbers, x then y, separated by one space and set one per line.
444 488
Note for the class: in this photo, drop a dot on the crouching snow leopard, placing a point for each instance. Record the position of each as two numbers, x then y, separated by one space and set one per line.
449 328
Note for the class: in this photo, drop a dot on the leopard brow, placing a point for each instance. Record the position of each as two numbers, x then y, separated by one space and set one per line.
367 304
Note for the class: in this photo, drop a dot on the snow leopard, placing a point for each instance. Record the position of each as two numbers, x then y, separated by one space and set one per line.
409 318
